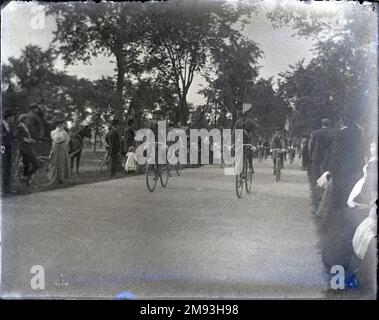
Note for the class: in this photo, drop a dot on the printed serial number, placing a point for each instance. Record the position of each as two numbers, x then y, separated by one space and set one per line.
210 309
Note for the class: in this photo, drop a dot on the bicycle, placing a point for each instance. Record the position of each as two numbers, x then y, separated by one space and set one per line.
43 177
278 163
155 171
246 176
104 161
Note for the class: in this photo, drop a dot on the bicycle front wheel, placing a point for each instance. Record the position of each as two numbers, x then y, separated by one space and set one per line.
46 174
164 175
239 185
151 176
249 179
277 171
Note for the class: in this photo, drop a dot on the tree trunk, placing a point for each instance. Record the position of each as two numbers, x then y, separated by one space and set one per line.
119 86
183 116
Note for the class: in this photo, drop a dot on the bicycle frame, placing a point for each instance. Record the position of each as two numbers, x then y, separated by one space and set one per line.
157 168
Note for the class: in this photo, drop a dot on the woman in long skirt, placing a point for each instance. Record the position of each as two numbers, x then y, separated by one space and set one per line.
60 155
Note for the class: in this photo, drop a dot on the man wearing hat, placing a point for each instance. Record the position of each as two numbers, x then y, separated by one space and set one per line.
248 126
34 120
112 139
6 150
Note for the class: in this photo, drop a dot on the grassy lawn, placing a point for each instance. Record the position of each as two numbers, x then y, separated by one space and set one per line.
88 173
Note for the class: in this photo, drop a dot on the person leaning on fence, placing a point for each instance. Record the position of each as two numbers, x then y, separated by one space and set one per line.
112 139
6 150
59 154
34 121
25 145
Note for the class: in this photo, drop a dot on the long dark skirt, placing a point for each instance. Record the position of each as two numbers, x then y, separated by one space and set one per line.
336 241
61 161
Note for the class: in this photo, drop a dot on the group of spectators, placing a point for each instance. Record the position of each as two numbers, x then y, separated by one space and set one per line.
342 169
23 134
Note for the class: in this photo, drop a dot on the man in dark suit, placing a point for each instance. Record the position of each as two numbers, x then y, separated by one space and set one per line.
6 150
345 161
112 139
129 136
319 149
344 167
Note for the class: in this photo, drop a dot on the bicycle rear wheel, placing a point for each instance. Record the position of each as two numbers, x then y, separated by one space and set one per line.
164 175
104 162
151 176
46 175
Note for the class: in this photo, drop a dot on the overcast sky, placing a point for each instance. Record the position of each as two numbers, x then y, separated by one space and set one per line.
280 48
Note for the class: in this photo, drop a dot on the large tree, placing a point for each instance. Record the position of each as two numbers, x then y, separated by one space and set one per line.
268 107
182 35
339 80
88 29
236 65
32 77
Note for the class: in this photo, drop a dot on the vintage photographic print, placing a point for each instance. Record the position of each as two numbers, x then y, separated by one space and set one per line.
194 149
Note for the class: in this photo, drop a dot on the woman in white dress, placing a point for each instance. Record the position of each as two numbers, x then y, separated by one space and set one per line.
130 164
60 155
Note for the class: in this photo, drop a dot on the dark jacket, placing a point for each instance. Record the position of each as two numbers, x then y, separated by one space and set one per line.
34 124
248 126
320 146
112 138
346 160
277 142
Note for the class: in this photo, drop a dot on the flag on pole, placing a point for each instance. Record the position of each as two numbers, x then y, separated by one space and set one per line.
287 125
246 107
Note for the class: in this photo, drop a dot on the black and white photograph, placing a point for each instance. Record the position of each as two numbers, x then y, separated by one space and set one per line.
189 149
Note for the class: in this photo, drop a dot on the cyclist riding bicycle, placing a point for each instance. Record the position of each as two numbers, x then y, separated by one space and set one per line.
278 142
248 126
260 147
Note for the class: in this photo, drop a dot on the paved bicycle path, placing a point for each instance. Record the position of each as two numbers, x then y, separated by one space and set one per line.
192 239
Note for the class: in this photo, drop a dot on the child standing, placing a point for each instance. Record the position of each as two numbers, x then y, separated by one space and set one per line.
130 164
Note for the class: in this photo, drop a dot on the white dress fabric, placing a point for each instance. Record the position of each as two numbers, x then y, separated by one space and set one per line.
365 232
130 164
